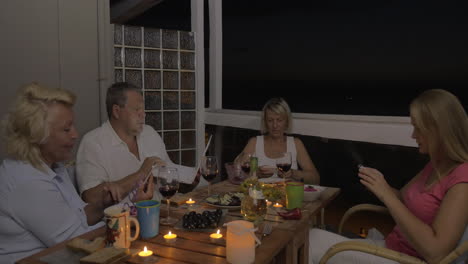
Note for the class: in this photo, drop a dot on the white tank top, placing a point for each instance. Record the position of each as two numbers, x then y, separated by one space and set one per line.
263 160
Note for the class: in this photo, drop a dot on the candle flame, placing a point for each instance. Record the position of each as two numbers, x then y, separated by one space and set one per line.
217 232
190 199
145 249
169 233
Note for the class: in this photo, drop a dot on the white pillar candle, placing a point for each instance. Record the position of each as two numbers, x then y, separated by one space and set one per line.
240 242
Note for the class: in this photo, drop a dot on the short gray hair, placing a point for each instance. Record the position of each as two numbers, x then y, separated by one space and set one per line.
116 95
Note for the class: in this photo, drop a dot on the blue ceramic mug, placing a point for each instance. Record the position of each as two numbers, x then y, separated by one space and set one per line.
148 217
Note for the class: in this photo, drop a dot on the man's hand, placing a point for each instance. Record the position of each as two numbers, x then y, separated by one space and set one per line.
111 194
145 190
148 164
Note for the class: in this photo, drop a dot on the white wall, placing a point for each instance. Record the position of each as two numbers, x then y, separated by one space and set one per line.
56 43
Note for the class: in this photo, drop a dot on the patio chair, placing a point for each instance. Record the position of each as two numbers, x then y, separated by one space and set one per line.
458 256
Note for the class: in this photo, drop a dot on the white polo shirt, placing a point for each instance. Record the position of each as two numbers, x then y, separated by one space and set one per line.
104 157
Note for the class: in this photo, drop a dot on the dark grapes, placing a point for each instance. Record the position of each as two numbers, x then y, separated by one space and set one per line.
207 219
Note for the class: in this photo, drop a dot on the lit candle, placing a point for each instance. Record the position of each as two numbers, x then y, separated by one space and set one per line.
268 203
215 236
170 238
145 253
277 205
190 202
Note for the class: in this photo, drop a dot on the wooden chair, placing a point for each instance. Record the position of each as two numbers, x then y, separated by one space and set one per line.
458 256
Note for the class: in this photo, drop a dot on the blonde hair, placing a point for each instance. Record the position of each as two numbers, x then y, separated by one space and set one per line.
278 106
26 126
442 120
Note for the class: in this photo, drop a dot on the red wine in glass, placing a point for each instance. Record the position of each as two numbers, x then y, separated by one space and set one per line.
283 167
209 176
246 168
167 191
209 169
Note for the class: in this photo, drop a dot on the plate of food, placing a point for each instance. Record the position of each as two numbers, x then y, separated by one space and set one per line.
229 200
271 180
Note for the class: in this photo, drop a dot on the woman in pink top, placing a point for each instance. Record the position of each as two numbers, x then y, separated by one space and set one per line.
430 210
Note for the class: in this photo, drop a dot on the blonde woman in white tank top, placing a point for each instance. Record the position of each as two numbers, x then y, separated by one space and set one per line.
276 122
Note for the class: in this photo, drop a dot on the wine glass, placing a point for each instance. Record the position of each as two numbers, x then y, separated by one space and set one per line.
209 170
244 161
283 163
168 184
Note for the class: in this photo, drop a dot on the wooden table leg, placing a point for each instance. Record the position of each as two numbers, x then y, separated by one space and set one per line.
298 250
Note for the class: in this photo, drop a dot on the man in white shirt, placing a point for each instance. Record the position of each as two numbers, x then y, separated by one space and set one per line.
123 151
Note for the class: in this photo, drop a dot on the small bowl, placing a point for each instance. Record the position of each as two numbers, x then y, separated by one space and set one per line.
311 195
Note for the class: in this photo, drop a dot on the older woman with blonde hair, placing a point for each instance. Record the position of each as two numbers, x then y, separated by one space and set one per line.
276 123
39 206
430 210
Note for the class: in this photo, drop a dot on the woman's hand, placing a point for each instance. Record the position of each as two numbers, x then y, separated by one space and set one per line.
376 183
286 175
266 171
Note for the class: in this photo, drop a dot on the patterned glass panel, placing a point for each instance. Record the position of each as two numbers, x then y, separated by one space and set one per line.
171 139
187 41
170 80
133 58
171 120
187 100
118 57
153 119
152 59
187 60
118 76
152 37
187 80
170 60
153 100
132 36
152 80
171 100
133 77
187 120
188 139
169 40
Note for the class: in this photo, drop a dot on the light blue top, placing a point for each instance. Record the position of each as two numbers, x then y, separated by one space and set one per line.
37 209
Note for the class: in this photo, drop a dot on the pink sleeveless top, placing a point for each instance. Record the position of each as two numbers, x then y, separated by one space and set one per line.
424 203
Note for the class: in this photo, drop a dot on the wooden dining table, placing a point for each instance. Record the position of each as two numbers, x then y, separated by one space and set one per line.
287 243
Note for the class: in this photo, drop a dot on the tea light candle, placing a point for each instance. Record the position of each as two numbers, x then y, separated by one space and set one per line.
277 205
216 236
190 202
170 238
145 253
268 203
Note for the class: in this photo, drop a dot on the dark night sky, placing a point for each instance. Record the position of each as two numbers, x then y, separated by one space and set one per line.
335 50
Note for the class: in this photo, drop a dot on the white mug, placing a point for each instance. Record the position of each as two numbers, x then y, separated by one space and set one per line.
118 222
